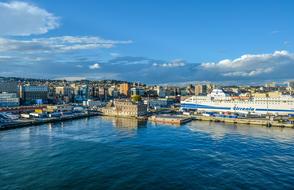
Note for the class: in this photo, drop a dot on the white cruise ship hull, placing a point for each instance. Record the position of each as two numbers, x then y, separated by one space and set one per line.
258 107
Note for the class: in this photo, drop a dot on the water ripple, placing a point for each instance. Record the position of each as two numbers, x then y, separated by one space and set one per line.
108 153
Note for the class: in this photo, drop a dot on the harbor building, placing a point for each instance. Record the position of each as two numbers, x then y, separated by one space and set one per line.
160 103
8 99
34 94
125 107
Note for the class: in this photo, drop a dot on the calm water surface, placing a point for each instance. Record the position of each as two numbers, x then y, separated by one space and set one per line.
109 153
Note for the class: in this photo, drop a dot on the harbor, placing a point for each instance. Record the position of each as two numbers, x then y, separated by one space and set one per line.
147 95
99 147
217 106
53 114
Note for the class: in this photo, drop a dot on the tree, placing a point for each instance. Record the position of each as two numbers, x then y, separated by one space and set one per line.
136 98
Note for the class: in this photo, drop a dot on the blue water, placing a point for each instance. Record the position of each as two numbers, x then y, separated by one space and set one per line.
109 153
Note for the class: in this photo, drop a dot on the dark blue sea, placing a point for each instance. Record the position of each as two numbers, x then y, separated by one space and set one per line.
110 153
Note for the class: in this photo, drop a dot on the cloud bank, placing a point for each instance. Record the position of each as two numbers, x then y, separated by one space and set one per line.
24 19
276 64
23 53
57 44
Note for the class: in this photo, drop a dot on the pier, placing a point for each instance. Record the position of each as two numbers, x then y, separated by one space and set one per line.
40 121
170 119
249 121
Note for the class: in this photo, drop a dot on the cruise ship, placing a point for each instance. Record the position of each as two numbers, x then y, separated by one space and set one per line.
219 101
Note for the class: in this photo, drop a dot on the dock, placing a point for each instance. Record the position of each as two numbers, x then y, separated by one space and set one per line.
249 121
40 121
170 119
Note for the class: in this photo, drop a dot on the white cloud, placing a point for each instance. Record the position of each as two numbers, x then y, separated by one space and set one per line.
57 44
279 69
251 65
82 42
174 63
24 19
248 74
94 66
79 66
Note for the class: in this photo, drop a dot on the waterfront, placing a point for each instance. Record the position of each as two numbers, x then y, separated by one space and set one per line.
120 153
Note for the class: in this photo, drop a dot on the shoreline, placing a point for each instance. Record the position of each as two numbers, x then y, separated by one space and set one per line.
28 123
247 121
140 118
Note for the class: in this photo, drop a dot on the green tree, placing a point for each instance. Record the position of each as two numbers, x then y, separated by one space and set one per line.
136 98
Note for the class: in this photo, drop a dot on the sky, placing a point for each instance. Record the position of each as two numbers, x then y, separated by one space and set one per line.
150 41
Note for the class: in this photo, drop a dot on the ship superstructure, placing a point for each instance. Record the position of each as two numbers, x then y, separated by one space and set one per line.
221 102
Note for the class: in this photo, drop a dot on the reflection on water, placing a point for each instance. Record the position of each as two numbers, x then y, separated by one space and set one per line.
117 153
220 130
128 123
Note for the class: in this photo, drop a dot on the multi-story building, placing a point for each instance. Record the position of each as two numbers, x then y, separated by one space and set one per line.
8 86
8 99
160 103
210 88
81 93
160 91
291 84
270 85
102 92
125 107
113 92
190 90
124 89
35 94
137 91
51 92
94 91
200 89
63 91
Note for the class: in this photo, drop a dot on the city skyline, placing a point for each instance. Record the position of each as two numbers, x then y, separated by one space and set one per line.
151 42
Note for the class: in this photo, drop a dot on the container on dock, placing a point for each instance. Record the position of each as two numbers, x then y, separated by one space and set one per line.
24 115
78 109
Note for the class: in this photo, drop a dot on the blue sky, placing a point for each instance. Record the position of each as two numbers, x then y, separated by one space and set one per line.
163 41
